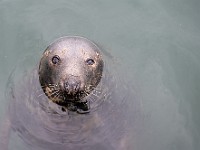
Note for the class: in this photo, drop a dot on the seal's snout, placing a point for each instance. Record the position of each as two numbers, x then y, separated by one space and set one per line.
72 86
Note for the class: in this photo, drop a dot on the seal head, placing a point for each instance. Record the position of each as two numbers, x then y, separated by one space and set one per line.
70 68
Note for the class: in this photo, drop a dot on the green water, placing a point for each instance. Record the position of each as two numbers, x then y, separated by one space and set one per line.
157 41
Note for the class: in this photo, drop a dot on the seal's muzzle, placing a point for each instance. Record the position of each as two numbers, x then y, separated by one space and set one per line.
72 86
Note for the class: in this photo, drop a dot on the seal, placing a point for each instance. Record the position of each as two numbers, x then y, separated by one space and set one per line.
70 98
70 68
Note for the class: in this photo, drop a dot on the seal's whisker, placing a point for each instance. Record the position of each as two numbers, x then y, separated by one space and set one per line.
41 94
86 93
51 86
53 92
94 95
57 94
92 99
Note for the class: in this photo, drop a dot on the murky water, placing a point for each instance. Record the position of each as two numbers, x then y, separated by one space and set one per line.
155 47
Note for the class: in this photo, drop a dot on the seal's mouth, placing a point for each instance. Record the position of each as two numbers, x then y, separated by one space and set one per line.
71 99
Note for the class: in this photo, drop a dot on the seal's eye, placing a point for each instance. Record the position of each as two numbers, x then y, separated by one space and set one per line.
55 59
90 61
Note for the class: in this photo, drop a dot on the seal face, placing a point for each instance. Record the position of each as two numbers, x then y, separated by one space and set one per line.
70 68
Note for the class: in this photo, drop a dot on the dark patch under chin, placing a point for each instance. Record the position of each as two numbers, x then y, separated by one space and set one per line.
79 107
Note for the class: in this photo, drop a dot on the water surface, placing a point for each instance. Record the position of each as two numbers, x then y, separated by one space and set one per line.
155 44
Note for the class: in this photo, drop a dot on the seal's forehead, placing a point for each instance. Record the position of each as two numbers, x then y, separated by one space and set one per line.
72 46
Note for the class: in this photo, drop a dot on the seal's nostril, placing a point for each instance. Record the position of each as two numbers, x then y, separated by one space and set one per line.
66 85
72 86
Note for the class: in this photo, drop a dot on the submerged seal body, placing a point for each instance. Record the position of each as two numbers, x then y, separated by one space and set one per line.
71 100
70 68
